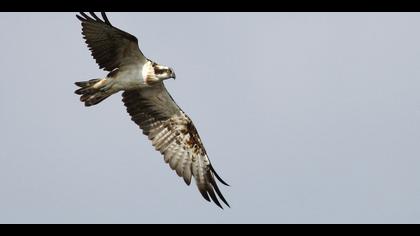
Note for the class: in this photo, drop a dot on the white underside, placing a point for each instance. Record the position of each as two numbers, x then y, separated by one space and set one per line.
129 77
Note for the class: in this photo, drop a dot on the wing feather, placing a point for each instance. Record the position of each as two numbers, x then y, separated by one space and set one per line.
175 136
110 47
187 174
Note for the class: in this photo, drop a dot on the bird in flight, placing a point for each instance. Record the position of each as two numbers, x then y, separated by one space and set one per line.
149 104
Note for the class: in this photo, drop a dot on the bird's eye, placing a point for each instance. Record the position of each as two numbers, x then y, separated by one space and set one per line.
158 71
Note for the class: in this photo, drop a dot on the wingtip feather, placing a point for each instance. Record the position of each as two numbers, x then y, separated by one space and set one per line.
210 191
217 176
96 17
219 193
204 194
105 18
85 16
80 18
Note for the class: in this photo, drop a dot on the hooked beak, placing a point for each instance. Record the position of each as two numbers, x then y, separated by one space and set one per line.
173 75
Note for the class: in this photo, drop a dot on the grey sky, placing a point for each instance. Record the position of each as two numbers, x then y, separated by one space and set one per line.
311 117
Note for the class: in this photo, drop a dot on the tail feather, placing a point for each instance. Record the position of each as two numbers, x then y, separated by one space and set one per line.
93 91
83 84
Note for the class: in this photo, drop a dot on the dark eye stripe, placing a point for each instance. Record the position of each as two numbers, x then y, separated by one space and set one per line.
159 71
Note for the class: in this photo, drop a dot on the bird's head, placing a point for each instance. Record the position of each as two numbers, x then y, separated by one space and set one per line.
163 72
154 73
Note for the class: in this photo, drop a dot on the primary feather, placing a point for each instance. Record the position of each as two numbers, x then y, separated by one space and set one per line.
149 104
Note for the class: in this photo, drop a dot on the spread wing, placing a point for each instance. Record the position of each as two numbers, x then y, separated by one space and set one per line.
174 135
111 47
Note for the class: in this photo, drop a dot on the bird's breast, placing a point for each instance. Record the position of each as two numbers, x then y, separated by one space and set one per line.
130 78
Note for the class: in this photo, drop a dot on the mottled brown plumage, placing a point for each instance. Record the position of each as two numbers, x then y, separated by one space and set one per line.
148 102
174 135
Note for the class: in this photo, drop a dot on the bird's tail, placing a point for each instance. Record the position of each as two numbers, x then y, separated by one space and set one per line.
94 91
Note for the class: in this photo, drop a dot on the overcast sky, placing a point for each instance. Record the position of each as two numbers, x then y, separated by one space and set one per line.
310 117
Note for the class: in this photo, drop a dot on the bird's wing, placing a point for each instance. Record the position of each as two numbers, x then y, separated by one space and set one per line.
174 135
110 46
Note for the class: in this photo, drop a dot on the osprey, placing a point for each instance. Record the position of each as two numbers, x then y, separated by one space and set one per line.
147 101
